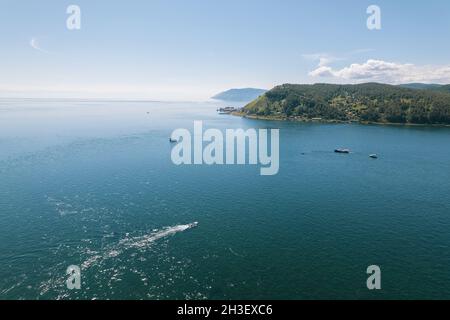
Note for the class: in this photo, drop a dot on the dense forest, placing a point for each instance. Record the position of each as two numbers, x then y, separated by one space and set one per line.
369 102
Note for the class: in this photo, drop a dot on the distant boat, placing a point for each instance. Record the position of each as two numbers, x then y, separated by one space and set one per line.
346 151
172 140
373 156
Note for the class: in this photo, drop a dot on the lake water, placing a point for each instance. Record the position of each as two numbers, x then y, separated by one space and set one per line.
91 183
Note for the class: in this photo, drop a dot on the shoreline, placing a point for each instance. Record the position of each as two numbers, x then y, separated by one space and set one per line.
325 121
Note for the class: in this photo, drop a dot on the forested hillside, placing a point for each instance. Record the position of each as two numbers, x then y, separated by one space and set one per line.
370 102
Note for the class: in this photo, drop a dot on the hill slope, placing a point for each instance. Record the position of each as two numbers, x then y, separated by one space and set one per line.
369 102
422 86
425 86
445 88
246 94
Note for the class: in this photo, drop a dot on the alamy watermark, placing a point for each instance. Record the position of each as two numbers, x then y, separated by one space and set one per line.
73 281
235 147
374 20
73 22
374 280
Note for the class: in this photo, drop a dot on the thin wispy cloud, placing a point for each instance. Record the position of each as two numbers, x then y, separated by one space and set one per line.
360 51
34 43
324 59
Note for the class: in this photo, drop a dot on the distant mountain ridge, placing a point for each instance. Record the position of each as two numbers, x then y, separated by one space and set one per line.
368 102
245 94
427 86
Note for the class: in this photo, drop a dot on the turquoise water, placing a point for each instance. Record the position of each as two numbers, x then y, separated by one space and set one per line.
92 184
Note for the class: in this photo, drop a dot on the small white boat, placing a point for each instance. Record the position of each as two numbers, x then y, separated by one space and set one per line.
373 156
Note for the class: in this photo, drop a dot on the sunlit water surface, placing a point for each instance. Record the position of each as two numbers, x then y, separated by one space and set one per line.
91 183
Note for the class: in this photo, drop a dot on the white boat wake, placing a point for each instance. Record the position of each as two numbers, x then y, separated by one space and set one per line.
141 242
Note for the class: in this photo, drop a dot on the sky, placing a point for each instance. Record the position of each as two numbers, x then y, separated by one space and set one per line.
193 49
